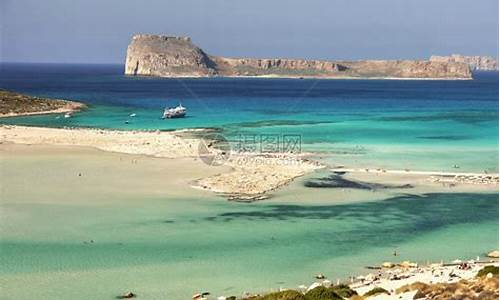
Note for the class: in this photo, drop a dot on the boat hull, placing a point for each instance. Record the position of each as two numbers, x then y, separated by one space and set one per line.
174 116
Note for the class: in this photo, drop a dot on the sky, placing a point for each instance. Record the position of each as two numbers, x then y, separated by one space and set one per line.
98 31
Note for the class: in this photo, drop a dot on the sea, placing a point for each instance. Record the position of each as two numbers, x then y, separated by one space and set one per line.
168 247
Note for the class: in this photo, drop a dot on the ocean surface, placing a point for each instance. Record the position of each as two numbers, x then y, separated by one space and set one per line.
425 125
97 241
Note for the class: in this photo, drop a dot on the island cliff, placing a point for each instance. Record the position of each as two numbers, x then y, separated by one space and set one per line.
476 63
165 56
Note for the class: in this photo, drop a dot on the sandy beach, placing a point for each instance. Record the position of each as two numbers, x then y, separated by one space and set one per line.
82 166
249 150
247 177
250 176
405 282
410 281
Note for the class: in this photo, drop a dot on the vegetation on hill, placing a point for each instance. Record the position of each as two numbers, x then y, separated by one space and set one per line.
13 104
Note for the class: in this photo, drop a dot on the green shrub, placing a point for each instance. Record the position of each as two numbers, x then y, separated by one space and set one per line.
283 295
343 290
376 291
488 269
322 293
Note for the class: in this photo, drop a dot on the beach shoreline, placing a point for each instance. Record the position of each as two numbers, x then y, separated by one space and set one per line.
251 176
136 146
305 77
406 280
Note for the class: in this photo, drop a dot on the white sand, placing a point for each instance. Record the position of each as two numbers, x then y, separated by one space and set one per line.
252 174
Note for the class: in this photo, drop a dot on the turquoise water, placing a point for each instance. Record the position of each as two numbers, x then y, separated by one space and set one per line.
425 125
62 240
173 248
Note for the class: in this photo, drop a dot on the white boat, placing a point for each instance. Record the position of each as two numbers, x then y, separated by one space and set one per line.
174 112
67 115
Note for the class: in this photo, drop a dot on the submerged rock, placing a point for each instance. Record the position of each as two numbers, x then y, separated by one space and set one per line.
337 181
127 295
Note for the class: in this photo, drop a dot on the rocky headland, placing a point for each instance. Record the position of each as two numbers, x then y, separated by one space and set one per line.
476 63
166 56
14 104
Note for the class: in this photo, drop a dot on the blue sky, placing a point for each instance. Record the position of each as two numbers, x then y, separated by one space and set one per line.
98 31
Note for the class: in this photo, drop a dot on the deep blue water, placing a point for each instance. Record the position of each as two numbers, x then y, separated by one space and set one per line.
340 117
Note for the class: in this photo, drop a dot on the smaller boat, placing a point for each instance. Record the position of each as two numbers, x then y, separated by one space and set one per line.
174 112
67 115
133 115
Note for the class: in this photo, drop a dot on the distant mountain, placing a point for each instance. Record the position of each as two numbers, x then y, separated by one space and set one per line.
476 63
166 56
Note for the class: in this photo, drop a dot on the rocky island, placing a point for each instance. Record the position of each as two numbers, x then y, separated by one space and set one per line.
167 56
476 63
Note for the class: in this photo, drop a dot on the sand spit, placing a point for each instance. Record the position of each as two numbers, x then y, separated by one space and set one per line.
450 178
251 177
158 144
254 175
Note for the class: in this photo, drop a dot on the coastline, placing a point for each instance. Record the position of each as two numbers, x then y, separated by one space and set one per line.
13 104
406 280
30 135
305 77
70 108
250 176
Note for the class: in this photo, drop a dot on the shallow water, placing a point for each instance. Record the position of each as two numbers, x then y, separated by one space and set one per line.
424 125
175 249
97 235
108 231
